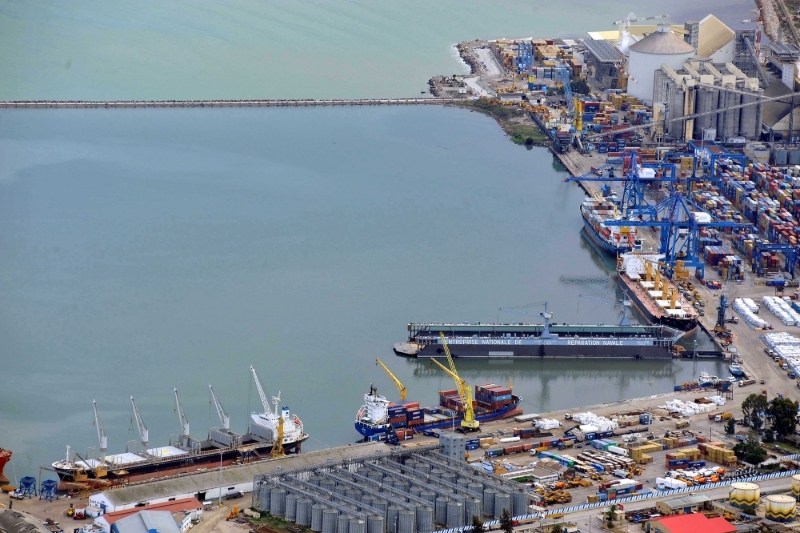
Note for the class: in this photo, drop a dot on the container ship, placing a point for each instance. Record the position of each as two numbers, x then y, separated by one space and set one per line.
625 340
379 418
656 297
613 239
223 447
5 457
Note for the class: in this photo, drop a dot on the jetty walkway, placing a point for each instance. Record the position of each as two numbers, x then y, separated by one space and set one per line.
35 104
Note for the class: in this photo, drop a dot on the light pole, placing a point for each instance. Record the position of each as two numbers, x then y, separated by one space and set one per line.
219 500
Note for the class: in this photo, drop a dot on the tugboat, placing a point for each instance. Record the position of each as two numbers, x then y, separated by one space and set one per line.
736 369
707 380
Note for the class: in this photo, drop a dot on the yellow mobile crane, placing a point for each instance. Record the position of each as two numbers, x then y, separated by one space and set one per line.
464 391
400 387
277 448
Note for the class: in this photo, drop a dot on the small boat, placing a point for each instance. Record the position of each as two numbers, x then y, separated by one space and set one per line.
736 369
707 380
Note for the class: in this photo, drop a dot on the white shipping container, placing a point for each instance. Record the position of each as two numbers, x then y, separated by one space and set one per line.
510 439
616 450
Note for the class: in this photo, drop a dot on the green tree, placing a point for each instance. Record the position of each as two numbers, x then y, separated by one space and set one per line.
730 426
557 528
477 525
506 523
749 452
611 514
769 435
784 415
753 408
579 86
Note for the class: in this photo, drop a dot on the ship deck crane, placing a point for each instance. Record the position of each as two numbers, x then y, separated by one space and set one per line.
182 418
140 424
101 433
261 394
224 419
469 423
400 387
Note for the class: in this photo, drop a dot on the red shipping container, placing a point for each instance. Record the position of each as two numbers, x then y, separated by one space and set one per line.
411 405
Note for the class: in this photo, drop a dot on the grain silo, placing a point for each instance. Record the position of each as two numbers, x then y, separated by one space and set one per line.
646 57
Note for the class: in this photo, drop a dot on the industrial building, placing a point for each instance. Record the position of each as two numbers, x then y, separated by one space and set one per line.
15 522
187 509
645 57
604 63
690 503
689 523
147 522
697 86
406 491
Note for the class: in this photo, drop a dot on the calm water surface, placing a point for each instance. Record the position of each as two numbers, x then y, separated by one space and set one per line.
146 249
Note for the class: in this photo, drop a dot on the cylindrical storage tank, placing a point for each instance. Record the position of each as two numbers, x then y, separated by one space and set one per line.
277 503
327 484
428 495
440 509
796 486
388 482
367 500
330 518
291 506
391 518
354 494
375 524
424 519
472 507
402 486
303 512
375 476
463 483
264 497
381 505
415 491
449 477
745 496
340 490
647 55
405 521
343 523
436 473
488 501
455 514
316 516
410 464
314 479
357 526
501 501
780 508
520 503
476 489
423 468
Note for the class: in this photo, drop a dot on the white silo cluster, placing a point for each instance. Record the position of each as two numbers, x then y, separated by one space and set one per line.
661 47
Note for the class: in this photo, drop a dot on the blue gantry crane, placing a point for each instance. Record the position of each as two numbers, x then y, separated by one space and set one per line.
524 57
562 74
789 251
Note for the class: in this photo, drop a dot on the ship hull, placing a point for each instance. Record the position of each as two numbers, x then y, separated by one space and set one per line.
603 244
577 350
148 471
369 430
687 325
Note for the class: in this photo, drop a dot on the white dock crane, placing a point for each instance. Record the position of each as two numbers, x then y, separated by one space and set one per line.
140 424
223 416
261 394
101 433
183 421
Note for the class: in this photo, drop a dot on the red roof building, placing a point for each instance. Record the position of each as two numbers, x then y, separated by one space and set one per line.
690 523
184 505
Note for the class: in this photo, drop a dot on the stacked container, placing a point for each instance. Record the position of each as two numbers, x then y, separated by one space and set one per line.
397 415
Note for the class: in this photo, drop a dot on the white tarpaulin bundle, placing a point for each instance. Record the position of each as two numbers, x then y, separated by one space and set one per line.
748 315
546 424
787 346
602 423
687 408
782 309
717 400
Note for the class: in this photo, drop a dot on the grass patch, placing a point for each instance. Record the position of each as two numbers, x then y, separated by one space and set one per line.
520 133
492 108
273 522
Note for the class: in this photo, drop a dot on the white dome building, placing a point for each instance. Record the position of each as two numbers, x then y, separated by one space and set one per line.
647 56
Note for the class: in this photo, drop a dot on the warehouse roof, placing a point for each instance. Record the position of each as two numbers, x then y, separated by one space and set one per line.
147 522
713 35
194 483
604 51
14 522
184 504
689 500
662 41
694 522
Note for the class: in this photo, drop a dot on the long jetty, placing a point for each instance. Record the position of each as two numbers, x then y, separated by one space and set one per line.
36 104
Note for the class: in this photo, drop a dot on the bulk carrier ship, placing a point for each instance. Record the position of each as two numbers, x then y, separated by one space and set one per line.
379 418
626 340
656 297
223 447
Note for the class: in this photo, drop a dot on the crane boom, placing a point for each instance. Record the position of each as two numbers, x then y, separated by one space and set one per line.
261 394
182 418
464 391
101 433
223 416
140 424
400 387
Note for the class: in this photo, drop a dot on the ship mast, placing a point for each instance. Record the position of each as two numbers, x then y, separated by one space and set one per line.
183 421
223 416
261 394
101 433
547 315
140 424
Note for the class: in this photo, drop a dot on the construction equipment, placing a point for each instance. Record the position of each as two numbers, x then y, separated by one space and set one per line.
234 513
469 423
400 387
182 419
223 416
140 424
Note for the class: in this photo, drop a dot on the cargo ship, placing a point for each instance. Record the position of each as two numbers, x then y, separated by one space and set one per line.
625 340
223 447
612 239
5 457
378 417
655 296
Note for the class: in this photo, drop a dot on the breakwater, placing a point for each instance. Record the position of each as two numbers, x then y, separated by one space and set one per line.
36 104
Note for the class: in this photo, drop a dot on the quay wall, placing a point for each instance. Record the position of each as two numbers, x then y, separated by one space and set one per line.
67 104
